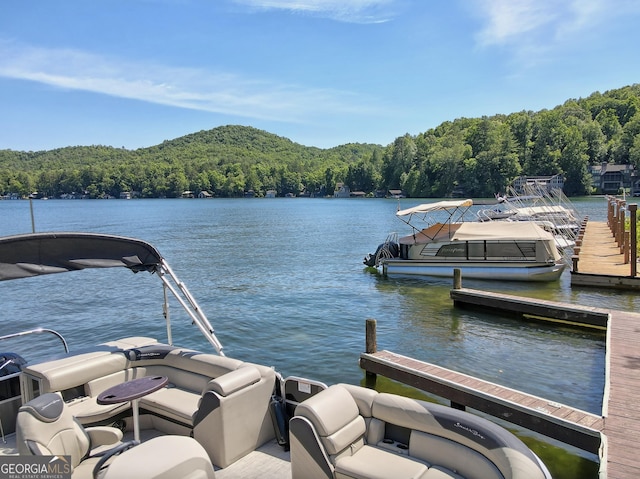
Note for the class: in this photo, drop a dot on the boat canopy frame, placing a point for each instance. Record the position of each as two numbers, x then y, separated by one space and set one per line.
35 254
457 208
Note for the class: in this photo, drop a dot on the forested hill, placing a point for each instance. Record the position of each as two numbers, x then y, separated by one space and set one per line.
472 156
225 161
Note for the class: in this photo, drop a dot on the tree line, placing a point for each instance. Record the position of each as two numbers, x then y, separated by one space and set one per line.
475 157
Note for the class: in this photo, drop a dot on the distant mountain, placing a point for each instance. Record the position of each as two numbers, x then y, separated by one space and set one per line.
225 161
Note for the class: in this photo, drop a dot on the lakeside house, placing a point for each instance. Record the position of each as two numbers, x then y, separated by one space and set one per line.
610 178
396 194
524 184
342 191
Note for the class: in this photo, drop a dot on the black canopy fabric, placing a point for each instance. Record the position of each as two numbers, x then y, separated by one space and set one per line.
22 256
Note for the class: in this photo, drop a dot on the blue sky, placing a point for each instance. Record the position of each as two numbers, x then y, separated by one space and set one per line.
133 73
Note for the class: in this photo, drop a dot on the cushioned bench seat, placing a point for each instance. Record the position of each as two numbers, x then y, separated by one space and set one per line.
164 457
222 402
374 463
349 432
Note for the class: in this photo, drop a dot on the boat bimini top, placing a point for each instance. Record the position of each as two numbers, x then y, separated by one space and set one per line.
437 206
27 255
426 212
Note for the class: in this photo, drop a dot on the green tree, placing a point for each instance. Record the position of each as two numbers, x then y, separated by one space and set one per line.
177 184
399 158
574 161
545 150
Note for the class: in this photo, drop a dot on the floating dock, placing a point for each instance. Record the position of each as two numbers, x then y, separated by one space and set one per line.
539 309
613 435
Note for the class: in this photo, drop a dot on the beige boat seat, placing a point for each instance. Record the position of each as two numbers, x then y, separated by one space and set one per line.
45 427
328 441
163 457
350 432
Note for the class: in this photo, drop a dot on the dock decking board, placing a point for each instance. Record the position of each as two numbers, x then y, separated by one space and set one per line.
600 262
599 253
622 423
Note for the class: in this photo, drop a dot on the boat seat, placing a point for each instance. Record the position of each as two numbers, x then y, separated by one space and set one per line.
46 427
163 457
329 425
347 431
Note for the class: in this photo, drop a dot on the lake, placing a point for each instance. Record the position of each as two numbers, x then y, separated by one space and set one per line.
283 284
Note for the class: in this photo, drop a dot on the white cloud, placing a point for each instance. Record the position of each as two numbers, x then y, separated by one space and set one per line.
187 88
507 20
545 22
356 11
537 32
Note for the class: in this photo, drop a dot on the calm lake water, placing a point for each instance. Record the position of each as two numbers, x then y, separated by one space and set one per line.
282 282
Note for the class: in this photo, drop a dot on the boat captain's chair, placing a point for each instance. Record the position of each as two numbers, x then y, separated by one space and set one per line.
45 427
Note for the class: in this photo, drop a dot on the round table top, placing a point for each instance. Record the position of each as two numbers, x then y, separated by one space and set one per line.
130 390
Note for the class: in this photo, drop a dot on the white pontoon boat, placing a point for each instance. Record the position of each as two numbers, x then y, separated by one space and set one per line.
442 242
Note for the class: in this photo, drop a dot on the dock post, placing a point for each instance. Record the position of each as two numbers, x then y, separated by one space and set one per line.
457 278
612 215
633 241
371 346
620 223
625 246
615 206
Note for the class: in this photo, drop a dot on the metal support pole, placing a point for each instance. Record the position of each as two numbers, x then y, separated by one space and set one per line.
33 220
633 241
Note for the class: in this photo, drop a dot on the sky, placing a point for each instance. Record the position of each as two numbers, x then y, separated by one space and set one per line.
134 73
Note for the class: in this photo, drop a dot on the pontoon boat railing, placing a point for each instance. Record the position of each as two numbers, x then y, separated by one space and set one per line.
384 252
189 304
38 331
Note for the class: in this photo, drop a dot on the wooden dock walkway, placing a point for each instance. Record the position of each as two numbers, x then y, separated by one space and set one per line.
600 262
614 435
621 404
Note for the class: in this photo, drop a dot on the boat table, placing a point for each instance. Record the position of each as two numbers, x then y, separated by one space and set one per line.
132 391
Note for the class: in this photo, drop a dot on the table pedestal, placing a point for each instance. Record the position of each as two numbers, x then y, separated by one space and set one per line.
132 391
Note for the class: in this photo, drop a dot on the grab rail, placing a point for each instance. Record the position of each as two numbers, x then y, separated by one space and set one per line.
38 331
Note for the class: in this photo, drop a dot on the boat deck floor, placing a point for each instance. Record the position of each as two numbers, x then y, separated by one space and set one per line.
8 445
270 461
